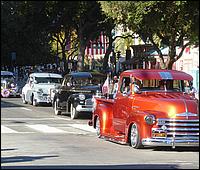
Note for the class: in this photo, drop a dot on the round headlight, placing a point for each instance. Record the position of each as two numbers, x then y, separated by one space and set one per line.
150 119
81 96
12 85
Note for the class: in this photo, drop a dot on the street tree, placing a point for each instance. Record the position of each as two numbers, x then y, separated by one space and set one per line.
89 22
23 31
61 16
159 22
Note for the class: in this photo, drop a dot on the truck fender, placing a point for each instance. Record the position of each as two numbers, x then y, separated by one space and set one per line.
144 128
105 114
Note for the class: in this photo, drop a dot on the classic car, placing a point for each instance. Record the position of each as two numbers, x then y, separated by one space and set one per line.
75 95
9 86
150 108
39 88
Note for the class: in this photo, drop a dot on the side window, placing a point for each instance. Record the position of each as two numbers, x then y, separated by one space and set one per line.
67 81
125 86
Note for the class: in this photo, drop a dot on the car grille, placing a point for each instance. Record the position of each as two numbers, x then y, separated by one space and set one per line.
88 102
180 129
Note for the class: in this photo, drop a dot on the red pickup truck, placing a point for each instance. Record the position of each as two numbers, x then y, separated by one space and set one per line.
151 108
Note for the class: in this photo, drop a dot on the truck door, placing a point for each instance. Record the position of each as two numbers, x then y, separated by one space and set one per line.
122 106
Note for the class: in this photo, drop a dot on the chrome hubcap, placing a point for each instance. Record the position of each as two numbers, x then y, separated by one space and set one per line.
134 135
98 127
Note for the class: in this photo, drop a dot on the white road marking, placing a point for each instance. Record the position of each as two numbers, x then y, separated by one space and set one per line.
62 118
45 128
83 127
5 129
28 118
33 128
25 108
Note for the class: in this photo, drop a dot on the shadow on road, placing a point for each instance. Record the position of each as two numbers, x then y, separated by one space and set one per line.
82 115
177 149
129 166
5 104
8 149
12 159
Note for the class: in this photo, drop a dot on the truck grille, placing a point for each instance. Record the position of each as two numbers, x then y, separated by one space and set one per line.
180 129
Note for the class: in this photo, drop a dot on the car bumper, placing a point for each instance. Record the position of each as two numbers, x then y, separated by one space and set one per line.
43 99
170 142
84 108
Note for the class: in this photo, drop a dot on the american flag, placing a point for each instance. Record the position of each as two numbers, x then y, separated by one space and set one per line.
97 47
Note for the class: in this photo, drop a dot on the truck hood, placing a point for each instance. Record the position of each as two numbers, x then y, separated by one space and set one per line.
169 105
46 87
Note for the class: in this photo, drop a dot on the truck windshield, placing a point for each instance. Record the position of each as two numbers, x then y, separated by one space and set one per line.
163 85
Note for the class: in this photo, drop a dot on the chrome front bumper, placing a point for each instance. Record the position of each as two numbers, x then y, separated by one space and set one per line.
170 142
43 99
84 108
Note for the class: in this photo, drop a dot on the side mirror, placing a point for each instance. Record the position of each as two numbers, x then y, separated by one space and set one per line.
124 93
136 90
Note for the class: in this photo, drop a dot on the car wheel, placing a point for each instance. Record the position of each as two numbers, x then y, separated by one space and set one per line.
34 102
23 99
135 140
73 112
97 127
56 111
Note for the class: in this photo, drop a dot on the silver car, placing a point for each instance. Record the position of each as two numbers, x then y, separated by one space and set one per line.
40 87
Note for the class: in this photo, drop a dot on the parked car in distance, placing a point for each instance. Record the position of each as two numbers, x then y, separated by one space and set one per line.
75 95
39 88
150 108
9 87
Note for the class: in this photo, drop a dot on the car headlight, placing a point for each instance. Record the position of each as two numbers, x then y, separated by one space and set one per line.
150 119
81 96
12 85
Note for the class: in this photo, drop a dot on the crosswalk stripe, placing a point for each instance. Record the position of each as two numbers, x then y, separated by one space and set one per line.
83 127
33 128
45 128
5 129
25 108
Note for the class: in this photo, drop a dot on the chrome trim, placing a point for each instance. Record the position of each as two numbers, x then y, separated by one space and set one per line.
178 133
176 120
170 142
84 108
177 129
178 124
186 114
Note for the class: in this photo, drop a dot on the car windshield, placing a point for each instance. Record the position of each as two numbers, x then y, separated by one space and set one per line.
7 77
162 85
81 81
48 80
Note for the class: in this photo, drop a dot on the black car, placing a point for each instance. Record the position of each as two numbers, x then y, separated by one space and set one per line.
75 94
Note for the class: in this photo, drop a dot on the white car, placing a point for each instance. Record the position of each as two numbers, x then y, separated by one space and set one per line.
40 87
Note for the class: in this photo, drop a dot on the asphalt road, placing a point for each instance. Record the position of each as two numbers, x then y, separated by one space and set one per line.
33 137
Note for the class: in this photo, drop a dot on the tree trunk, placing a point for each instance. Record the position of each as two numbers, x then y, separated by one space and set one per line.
108 51
81 56
64 58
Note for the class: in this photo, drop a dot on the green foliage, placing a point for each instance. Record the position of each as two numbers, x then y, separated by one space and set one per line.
161 22
23 32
